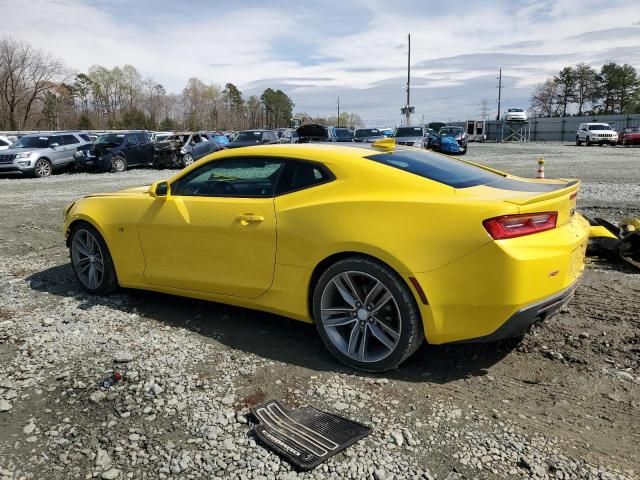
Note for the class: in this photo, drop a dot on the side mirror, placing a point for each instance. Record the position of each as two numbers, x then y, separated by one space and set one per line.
159 189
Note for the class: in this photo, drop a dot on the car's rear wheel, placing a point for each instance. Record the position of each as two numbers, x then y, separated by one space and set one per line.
118 164
91 260
578 142
366 314
42 168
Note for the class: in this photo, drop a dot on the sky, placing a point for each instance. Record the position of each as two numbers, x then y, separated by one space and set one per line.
317 51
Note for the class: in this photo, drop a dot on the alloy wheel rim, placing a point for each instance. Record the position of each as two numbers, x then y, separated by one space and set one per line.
87 258
188 160
118 165
43 169
360 316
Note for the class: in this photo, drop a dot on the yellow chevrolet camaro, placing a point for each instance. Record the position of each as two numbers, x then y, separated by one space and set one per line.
380 246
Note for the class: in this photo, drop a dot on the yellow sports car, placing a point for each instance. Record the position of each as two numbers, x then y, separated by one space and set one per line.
380 246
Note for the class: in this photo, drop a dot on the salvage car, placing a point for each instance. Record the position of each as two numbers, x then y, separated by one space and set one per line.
314 133
598 133
39 155
629 136
367 135
247 138
341 134
412 136
7 141
183 144
289 136
115 152
449 139
203 149
298 230
516 115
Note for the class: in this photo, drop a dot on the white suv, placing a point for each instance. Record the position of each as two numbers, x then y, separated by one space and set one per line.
599 133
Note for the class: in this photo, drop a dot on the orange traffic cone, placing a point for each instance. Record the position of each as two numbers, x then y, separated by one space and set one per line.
540 168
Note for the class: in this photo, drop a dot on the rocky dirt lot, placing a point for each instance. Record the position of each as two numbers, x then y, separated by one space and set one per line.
563 403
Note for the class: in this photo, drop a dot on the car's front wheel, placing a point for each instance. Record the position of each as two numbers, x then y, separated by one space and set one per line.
91 260
588 142
187 160
118 164
42 168
366 314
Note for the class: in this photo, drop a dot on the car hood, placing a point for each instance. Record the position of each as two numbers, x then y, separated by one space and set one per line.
133 191
14 151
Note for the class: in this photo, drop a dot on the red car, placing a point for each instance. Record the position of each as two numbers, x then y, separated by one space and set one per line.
630 136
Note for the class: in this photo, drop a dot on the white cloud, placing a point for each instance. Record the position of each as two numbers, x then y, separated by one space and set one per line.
317 51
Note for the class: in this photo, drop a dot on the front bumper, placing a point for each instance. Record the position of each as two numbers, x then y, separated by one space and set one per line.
13 168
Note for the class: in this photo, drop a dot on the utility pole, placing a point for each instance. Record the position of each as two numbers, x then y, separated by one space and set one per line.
338 117
499 93
408 114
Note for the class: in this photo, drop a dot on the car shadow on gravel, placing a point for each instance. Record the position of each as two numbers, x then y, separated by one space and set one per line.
271 336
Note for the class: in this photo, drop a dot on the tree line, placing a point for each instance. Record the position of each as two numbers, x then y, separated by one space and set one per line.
38 91
614 89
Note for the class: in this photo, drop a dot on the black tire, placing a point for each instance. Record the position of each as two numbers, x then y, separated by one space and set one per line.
42 168
578 142
463 152
187 160
118 164
588 142
411 332
108 282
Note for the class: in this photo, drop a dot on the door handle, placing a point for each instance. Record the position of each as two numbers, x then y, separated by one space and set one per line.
248 218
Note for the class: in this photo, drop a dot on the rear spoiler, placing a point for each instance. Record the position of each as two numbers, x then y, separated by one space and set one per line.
571 186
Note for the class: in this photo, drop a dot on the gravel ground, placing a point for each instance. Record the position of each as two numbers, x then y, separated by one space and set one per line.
563 403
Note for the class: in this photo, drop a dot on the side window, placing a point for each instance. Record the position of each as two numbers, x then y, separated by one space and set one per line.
237 177
3 143
85 137
142 138
70 139
299 175
131 139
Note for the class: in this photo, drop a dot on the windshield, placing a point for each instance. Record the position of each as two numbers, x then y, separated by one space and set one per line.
368 132
632 130
32 142
409 132
515 110
450 131
599 127
343 133
112 138
248 137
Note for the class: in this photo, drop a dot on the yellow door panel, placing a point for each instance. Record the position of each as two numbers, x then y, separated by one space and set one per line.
212 244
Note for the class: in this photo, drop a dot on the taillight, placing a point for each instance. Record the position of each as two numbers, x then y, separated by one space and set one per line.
510 226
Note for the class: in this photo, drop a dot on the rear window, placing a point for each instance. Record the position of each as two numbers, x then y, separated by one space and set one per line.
455 173
408 132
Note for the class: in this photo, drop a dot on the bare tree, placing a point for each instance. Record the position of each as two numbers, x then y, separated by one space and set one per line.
544 100
26 74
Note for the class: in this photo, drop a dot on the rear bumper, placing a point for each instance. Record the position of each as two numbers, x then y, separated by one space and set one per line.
520 322
501 288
